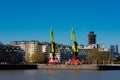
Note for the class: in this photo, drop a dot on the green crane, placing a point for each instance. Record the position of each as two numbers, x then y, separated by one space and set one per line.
52 42
75 49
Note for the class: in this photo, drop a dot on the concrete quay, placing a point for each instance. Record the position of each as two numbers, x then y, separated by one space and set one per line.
78 67
59 67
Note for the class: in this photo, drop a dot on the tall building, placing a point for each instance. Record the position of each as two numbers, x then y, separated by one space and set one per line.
30 47
91 38
114 48
45 47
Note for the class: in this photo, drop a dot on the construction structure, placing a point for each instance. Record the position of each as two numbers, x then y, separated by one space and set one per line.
91 38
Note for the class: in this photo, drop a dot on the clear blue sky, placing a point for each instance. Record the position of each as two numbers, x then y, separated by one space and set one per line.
32 20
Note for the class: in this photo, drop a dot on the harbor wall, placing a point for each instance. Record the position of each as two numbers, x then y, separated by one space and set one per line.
79 67
109 67
17 67
62 66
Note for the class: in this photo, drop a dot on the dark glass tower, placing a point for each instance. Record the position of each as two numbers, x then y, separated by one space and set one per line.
91 38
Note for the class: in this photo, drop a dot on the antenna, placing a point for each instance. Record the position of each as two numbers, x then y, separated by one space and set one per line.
86 30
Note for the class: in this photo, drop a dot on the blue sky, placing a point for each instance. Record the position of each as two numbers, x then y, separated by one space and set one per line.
32 20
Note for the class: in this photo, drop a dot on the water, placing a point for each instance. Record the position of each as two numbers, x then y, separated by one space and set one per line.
58 75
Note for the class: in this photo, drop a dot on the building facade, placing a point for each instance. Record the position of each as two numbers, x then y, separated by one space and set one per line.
32 47
44 47
29 47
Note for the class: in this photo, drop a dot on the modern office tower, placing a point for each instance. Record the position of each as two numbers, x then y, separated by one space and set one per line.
114 48
100 46
91 38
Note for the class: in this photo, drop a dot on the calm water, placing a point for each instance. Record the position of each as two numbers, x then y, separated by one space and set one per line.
59 75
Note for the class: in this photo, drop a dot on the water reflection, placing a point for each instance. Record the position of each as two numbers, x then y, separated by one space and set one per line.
52 72
58 75
75 72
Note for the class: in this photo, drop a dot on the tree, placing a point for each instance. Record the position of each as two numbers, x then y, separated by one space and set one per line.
37 57
92 55
96 56
27 57
11 54
104 57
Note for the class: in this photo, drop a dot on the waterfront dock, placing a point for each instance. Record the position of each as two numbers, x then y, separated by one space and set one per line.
79 67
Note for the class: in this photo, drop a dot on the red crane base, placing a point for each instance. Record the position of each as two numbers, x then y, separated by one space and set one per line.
53 60
74 61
